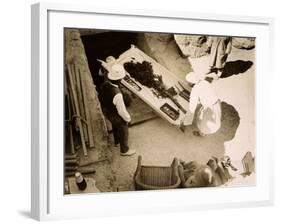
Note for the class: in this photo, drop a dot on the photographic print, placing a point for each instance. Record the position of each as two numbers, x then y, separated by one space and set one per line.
156 111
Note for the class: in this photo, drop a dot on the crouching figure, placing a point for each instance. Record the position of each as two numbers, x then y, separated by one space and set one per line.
214 173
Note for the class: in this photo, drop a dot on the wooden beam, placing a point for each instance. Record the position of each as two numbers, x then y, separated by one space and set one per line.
87 112
76 105
69 126
80 101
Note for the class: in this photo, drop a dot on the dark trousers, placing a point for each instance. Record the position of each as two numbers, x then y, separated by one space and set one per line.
120 132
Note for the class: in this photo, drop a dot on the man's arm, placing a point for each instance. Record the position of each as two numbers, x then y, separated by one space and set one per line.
121 108
194 97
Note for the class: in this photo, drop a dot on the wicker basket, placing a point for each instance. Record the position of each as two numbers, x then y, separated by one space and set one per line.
157 177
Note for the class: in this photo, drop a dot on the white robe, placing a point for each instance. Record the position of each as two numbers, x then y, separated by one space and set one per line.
208 116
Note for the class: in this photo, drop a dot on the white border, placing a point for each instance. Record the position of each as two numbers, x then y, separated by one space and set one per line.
48 201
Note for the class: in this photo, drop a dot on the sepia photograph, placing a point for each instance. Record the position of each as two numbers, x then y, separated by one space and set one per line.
158 111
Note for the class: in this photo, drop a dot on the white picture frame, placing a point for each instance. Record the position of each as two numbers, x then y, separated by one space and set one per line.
48 201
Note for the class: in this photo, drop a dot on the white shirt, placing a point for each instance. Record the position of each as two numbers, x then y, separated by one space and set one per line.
202 93
120 106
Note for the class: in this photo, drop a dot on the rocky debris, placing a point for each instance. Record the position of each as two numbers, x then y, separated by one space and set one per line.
104 177
84 32
123 172
162 37
243 43
192 45
153 43
163 48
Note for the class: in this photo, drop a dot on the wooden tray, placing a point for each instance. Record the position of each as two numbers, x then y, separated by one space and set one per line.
145 93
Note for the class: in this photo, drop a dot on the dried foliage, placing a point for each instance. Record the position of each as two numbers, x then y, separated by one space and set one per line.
143 73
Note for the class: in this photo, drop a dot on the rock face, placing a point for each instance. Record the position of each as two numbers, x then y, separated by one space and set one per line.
163 48
84 32
192 45
153 43
243 43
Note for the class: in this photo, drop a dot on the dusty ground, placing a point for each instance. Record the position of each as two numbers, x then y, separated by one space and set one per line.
159 142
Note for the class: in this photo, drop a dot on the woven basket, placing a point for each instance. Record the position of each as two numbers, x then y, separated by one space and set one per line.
157 177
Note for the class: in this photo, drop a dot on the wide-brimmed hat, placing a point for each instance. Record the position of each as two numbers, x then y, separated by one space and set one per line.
194 78
116 72
110 59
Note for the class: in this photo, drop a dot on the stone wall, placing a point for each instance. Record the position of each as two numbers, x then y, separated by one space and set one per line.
243 43
193 46
75 52
163 48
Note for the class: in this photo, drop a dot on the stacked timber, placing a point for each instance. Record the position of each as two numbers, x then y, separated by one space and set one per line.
72 165
77 108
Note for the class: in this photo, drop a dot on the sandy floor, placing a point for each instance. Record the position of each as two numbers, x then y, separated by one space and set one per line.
158 142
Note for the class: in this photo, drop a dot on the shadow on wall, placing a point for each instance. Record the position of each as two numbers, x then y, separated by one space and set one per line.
235 68
102 45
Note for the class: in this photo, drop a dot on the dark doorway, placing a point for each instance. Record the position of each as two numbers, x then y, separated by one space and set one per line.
102 45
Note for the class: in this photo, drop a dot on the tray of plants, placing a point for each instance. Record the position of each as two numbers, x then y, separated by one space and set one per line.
162 90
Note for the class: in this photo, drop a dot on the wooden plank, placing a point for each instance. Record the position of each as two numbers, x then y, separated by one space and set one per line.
72 148
87 112
80 101
71 98
71 156
75 100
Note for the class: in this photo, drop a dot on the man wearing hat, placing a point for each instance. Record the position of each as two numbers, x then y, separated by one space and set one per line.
115 109
208 117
